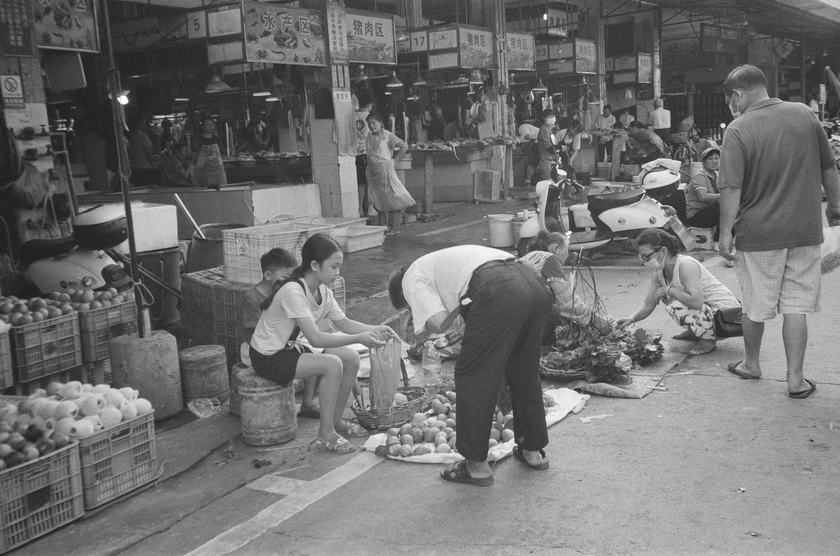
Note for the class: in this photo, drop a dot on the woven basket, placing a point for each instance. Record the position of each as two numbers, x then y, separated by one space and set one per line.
396 415
562 374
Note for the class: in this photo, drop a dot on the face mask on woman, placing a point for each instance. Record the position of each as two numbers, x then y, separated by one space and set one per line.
550 120
655 263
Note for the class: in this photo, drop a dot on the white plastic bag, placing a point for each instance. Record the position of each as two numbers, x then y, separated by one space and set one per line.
830 249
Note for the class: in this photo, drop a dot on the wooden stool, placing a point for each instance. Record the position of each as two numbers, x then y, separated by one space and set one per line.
268 411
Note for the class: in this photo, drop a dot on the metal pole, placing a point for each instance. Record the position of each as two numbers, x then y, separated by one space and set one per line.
123 166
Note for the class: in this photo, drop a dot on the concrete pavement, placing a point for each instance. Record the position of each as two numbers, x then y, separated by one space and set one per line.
712 465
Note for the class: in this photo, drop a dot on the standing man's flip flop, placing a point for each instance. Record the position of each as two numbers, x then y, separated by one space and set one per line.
805 393
733 368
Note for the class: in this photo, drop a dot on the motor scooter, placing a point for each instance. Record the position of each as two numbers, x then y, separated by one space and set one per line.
80 261
603 218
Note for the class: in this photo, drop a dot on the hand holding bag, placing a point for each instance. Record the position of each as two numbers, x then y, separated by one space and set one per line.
728 322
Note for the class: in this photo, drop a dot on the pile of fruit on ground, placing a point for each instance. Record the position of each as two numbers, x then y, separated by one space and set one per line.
434 432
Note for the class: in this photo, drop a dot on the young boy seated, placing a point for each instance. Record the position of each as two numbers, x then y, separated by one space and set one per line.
276 266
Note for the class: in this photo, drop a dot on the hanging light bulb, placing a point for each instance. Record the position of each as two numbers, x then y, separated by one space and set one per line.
122 97
419 81
394 83
628 94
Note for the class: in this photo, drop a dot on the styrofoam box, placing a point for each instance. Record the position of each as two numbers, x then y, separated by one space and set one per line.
338 222
359 238
155 227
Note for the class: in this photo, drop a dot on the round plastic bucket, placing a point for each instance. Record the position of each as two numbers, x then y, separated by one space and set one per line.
208 252
605 170
501 230
696 168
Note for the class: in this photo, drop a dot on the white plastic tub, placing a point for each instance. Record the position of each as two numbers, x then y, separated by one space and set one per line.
358 238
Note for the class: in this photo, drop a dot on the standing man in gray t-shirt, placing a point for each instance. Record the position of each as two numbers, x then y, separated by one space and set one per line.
775 164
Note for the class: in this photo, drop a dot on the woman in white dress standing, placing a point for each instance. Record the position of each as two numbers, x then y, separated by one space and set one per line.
389 195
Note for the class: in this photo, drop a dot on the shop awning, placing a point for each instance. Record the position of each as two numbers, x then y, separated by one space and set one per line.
812 20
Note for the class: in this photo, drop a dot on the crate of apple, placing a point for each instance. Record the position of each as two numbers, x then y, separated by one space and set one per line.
88 300
20 312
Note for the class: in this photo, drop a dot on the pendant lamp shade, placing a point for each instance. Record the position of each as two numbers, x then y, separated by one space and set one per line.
394 83
539 87
216 85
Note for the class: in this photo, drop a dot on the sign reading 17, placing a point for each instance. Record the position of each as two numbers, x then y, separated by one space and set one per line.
419 41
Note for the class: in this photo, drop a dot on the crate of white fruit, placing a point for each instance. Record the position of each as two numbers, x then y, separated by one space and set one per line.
40 477
116 434
431 437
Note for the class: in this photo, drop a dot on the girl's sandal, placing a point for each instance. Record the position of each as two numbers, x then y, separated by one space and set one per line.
353 430
338 444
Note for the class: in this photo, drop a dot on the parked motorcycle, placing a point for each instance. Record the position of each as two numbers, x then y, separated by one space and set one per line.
603 218
79 261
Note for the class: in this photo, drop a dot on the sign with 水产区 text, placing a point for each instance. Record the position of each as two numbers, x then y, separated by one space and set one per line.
277 34
370 38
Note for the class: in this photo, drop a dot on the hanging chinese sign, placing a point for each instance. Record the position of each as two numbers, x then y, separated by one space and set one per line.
66 25
476 46
575 56
520 52
336 25
586 56
719 39
370 38
276 34
644 68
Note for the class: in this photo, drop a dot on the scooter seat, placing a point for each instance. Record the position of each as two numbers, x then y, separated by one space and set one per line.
602 203
37 249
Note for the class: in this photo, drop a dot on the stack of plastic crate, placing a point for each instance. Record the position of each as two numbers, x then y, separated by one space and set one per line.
98 327
44 352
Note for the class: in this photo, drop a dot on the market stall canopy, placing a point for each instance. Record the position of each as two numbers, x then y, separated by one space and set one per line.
811 20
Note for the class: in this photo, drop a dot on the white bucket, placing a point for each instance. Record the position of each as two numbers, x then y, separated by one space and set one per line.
696 168
501 230
605 170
